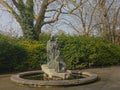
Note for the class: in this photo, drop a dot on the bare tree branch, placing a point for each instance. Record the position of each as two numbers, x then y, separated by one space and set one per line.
9 9
55 17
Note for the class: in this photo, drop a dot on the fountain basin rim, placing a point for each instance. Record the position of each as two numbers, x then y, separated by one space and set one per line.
38 83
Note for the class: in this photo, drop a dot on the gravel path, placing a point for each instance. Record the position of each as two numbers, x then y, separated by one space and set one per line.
109 80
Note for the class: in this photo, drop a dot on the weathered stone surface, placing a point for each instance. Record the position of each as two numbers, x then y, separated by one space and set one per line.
37 83
54 59
51 72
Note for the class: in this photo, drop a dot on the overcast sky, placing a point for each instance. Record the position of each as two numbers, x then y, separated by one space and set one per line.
9 24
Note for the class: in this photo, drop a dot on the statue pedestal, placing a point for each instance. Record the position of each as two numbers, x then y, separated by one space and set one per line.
52 73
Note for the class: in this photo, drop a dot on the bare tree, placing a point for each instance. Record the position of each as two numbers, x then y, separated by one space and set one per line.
109 11
83 16
99 17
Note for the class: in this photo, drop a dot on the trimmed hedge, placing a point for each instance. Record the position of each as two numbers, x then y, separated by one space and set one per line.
78 52
20 55
11 55
85 51
36 54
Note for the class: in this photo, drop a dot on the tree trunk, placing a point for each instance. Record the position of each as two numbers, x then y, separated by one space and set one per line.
25 17
41 17
27 20
24 14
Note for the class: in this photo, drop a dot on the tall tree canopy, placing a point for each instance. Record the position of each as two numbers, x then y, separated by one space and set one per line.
24 12
85 17
33 14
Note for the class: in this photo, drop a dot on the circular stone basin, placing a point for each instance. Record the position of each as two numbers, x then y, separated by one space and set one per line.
35 79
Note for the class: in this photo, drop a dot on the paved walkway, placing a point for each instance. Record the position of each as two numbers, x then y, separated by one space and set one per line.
110 80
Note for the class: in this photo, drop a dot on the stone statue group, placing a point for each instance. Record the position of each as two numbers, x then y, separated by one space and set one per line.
54 60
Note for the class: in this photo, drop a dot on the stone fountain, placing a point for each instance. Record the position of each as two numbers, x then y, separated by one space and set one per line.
54 72
55 67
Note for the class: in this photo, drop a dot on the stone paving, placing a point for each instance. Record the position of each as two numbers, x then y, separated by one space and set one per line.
109 80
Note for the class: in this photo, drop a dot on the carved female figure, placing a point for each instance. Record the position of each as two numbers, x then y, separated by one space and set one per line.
54 59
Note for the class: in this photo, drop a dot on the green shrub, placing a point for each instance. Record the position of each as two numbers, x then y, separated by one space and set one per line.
106 54
43 38
11 55
35 54
20 55
77 52
85 51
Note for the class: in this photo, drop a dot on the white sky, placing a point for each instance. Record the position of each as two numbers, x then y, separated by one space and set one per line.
9 24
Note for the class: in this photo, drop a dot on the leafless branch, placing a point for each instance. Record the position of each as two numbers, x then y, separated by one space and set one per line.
55 16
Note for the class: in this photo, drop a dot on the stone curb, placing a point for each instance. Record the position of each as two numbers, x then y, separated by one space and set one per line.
38 83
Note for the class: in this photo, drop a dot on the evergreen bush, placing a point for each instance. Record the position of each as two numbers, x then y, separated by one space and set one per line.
36 54
85 51
77 52
11 55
